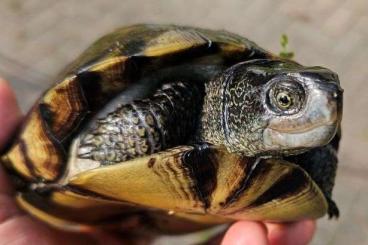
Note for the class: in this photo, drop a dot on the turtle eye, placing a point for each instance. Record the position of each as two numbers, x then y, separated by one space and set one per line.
284 100
286 97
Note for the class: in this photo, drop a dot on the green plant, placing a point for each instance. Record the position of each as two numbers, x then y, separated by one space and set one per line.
284 53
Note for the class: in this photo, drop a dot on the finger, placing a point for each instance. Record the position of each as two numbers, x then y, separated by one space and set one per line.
5 186
9 112
8 208
9 117
246 232
24 230
298 233
102 237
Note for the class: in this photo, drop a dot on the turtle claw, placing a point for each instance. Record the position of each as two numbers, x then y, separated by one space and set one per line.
333 210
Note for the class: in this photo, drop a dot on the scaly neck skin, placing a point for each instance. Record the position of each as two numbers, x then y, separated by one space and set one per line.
231 114
210 123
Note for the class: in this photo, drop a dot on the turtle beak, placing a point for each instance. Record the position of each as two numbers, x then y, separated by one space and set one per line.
334 95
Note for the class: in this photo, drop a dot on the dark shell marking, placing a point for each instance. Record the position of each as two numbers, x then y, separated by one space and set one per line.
204 176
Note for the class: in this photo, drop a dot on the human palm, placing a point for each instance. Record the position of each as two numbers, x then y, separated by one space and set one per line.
16 227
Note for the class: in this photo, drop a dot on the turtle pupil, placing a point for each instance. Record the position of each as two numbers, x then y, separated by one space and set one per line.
284 100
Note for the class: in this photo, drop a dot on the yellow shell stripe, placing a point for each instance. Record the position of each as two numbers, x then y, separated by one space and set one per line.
164 185
55 221
277 191
62 209
175 189
173 41
35 154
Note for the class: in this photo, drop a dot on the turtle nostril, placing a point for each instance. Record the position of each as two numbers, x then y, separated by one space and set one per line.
335 91
337 94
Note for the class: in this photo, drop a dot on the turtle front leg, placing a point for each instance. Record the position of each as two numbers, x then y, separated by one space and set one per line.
142 127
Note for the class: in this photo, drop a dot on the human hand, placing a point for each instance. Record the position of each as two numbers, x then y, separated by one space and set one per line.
16 227
257 233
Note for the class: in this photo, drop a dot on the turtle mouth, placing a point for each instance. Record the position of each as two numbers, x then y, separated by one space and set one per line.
296 141
293 129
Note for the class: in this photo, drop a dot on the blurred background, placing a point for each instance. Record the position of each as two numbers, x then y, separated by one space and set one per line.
39 37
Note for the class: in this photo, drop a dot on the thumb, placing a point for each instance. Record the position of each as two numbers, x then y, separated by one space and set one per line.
246 232
9 112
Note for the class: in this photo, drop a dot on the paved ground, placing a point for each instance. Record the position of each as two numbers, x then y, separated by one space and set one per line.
38 37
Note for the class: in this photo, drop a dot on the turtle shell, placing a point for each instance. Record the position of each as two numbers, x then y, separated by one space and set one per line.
170 180
112 64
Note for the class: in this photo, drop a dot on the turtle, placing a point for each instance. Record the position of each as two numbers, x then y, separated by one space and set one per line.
182 128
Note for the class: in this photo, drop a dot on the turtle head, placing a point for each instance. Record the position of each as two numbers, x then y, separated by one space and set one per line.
272 107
